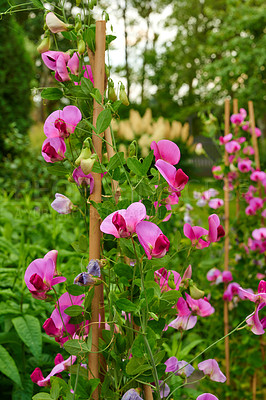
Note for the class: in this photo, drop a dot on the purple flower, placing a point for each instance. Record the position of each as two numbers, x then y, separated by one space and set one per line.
257 326
211 368
185 319
62 123
82 179
53 149
131 394
164 389
122 223
181 368
62 204
227 276
152 239
207 396
166 150
39 276
60 366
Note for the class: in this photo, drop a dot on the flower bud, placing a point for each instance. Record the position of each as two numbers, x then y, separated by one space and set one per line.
81 46
54 24
111 91
171 281
132 148
195 293
84 155
123 96
87 164
44 45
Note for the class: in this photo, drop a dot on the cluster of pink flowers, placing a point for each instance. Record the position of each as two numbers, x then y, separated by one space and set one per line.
216 276
195 233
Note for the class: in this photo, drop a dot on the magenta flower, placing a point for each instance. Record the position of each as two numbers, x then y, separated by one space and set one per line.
216 231
217 172
166 150
244 165
62 123
82 179
53 149
232 147
258 176
194 233
152 239
201 307
176 179
259 298
50 58
226 138
254 204
211 368
257 245
213 275
181 368
207 396
227 276
259 234
73 64
86 68
167 280
122 223
249 151
231 291
257 326
39 276
237 119
60 366
62 204
58 324
185 320
216 203
131 394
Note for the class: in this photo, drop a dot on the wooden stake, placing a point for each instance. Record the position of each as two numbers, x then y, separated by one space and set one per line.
235 111
254 136
147 393
226 242
95 233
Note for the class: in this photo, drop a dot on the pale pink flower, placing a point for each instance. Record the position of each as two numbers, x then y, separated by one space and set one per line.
259 234
213 275
166 150
185 320
258 176
216 203
122 223
211 368
259 298
181 368
257 326
62 204
54 24
249 151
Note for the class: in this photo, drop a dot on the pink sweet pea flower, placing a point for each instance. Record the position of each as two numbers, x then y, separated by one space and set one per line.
213 275
54 24
39 276
257 326
122 223
259 234
73 64
60 366
257 245
232 290
259 298
211 368
181 368
162 277
207 396
258 176
249 151
152 239
237 119
62 123
82 179
62 204
232 147
216 203
227 276
194 233
53 149
50 58
176 179
241 139
185 319
216 231
166 150
87 71
58 324
217 172
244 165
201 307
226 138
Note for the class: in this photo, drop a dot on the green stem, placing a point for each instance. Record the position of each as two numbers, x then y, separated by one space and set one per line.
76 381
184 384
154 370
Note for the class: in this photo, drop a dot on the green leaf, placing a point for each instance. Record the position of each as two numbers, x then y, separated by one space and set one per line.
147 163
29 330
171 296
123 270
70 35
89 37
76 347
136 366
52 94
138 348
8 366
86 86
186 350
135 166
162 212
37 3
59 170
55 389
159 357
76 290
116 161
109 39
76 91
74 311
128 249
97 96
81 246
103 121
126 305
42 396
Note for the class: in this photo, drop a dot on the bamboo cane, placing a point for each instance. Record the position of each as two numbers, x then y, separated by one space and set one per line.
147 393
235 111
254 136
226 242
95 233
